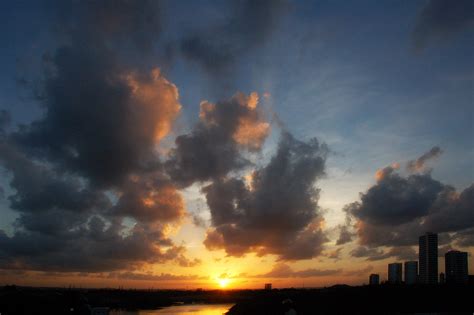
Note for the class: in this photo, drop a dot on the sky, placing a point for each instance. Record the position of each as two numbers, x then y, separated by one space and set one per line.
226 144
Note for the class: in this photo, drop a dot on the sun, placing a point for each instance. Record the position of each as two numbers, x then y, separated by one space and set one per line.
223 282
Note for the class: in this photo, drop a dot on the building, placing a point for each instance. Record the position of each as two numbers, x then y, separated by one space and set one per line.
471 279
395 273
428 258
442 279
456 269
411 272
374 279
268 286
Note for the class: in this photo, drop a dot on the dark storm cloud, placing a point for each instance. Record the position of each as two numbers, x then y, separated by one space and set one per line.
395 200
214 146
90 160
101 121
452 211
277 212
216 48
397 209
389 235
442 20
150 198
420 163
39 189
92 247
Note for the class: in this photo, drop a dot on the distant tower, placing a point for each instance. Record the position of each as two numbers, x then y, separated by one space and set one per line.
374 279
411 272
268 286
395 273
428 257
456 267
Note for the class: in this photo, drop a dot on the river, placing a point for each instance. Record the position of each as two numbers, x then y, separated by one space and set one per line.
194 309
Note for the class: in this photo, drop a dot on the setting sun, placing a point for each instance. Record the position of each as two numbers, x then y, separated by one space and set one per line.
223 283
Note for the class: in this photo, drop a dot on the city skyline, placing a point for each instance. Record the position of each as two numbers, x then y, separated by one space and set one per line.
209 144
424 271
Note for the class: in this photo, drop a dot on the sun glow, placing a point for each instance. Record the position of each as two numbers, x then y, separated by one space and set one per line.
223 283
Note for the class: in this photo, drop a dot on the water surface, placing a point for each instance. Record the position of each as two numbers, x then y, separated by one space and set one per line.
194 309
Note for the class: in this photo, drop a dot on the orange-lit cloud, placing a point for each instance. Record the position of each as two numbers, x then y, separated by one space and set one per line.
156 102
252 129
218 142
380 174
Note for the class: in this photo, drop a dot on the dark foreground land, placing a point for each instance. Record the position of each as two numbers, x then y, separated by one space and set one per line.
334 300
361 300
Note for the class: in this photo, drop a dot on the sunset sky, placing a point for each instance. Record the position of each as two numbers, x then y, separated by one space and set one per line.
208 144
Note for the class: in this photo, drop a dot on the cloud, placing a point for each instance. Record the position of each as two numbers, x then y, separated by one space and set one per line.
335 254
374 254
152 277
419 164
278 213
135 22
284 271
397 209
150 198
91 159
101 123
395 200
386 171
364 251
466 238
59 191
214 146
442 20
5 119
345 235
249 26
91 247
452 211
38 188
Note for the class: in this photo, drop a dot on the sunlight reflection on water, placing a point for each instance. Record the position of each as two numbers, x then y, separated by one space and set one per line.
195 309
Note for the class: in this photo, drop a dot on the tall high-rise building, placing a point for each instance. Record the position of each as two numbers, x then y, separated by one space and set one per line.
374 279
411 272
428 258
395 273
456 269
